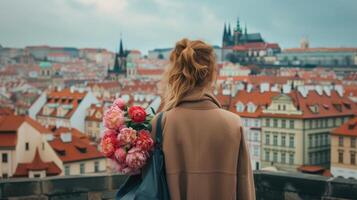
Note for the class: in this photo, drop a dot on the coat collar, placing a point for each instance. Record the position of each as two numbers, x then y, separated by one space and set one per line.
199 99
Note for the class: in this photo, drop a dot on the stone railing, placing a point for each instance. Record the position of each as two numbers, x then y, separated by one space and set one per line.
269 186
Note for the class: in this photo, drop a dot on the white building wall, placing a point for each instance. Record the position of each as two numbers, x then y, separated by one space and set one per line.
78 117
37 105
252 133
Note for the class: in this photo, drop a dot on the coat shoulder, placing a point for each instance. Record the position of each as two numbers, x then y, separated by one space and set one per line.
231 117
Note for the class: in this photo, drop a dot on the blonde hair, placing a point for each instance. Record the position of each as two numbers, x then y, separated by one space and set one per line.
192 66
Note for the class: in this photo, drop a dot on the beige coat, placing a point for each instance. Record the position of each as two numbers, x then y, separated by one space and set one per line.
206 156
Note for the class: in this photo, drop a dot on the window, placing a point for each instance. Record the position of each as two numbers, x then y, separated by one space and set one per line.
292 125
275 141
267 122
353 158
291 159
284 107
67 171
81 168
256 136
267 139
283 159
310 141
4 158
267 155
310 123
240 107
340 141
291 141
256 151
310 158
256 123
5 175
279 107
283 138
27 146
316 140
275 123
283 123
340 157
275 157
43 146
96 166
353 142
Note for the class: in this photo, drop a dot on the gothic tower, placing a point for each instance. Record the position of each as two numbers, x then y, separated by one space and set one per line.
119 68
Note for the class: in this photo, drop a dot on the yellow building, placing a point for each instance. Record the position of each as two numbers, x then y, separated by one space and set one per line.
344 150
296 127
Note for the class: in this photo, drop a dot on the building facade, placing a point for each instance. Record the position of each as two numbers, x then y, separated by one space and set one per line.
344 150
296 128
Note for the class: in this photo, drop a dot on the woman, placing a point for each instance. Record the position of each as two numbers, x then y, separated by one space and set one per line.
205 153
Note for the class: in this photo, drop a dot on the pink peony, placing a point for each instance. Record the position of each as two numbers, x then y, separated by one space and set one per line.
144 140
136 158
126 136
120 103
120 155
109 143
113 118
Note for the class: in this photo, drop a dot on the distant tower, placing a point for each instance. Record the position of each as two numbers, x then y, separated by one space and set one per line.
237 33
229 35
119 68
225 36
304 44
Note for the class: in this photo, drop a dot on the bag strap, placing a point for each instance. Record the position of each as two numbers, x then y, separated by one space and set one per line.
159 130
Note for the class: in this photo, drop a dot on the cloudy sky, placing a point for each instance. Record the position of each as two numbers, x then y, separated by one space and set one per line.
148 24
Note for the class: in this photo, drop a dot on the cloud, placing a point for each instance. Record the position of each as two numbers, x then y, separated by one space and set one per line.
148 24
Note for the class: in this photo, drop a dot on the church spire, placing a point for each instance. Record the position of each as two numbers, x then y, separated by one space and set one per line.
121 50
224 32
238 28
229 30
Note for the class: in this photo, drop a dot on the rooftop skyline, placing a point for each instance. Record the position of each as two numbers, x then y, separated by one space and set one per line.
146 25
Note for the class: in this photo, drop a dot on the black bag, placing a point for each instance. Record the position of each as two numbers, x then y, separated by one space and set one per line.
152 185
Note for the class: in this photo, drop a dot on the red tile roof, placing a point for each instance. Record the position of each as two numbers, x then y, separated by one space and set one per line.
77 150
95 113
37 164
322 49
327 106
105 85
349 128
63 97
6 111
259 99
144 71
9 126
11 123
8 140
255 46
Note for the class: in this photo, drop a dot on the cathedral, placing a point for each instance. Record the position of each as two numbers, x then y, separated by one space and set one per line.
120 62
238 37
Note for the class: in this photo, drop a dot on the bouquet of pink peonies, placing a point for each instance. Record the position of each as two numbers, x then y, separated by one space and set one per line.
126 139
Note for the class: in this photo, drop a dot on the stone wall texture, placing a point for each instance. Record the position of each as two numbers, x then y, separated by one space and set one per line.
269 186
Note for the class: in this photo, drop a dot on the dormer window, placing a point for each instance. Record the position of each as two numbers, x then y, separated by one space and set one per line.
240 107
314 108
347 105
338 107
251 107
